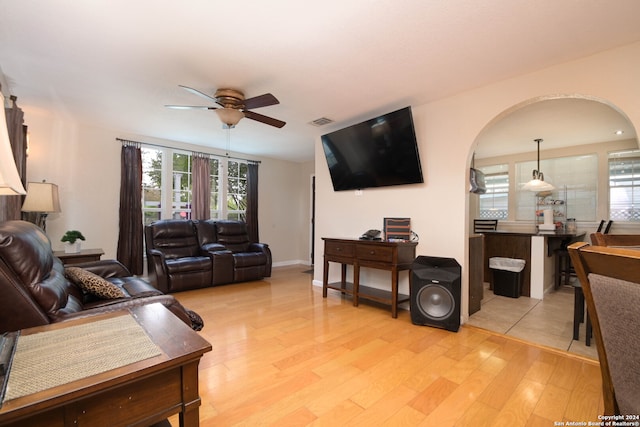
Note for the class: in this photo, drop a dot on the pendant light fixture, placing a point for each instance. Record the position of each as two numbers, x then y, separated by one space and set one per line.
537 183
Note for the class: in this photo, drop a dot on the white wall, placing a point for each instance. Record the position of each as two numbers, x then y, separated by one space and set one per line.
446 131
85 163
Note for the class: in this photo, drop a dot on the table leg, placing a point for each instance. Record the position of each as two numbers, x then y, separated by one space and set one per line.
394 293
356 283
190 414
325 278
343 276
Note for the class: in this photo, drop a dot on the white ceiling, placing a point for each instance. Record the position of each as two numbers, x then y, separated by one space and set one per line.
116 63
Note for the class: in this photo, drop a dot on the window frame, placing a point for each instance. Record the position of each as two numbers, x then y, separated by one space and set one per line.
219 209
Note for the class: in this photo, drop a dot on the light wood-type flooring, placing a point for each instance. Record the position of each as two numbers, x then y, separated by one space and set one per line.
284 356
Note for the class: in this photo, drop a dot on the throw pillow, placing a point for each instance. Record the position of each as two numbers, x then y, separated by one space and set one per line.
93 283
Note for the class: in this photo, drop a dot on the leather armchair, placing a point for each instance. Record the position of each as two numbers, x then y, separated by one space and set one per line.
36 292
174 258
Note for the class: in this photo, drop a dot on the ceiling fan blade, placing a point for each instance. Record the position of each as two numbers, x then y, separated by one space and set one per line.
191 107
197 92
260 101
264 119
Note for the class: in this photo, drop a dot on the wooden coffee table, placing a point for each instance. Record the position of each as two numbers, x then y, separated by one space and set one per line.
138 394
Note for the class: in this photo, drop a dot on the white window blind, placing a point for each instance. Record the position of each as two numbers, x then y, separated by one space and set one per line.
578 175
494 204
624 185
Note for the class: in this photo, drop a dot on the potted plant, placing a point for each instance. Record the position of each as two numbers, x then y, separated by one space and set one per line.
72 239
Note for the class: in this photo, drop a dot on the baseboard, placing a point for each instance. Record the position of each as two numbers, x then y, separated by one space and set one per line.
290 263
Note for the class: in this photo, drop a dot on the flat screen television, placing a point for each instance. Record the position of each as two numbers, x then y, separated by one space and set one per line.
379 152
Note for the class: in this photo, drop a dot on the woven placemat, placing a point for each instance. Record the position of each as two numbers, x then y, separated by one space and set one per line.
52 358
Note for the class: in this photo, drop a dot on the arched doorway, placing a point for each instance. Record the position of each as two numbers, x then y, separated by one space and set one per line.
569 125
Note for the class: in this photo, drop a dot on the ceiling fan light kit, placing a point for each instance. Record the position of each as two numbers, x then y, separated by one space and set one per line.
235 107
229 116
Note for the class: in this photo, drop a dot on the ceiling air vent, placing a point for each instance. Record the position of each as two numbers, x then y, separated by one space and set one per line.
321 121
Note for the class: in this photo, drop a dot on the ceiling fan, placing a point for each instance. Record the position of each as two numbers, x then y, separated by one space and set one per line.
234 106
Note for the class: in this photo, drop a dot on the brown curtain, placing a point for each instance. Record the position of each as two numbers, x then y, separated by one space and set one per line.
201 192
10 205
252 202
130 238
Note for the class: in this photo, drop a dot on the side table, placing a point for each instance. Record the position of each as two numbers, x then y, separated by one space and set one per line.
137 394
85 255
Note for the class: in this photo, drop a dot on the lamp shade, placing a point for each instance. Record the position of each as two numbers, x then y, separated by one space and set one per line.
41 197
538 185
10 183
229 116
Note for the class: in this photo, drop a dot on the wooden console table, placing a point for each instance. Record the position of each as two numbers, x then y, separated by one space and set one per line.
138 394
85 255
383 255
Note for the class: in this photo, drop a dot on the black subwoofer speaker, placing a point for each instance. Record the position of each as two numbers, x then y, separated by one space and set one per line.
435 292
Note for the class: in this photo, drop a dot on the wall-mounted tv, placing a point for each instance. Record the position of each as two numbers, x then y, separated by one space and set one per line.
379 152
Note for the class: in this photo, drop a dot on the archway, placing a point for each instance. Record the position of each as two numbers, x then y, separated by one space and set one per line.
568 123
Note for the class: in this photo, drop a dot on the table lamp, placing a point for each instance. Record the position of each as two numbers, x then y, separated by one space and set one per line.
42 199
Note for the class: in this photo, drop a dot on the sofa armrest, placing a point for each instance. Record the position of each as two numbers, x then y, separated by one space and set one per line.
213 247
157 270
264 248
258 247
105 268
108 306
222 265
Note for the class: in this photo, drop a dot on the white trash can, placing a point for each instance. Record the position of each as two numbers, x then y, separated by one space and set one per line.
507 276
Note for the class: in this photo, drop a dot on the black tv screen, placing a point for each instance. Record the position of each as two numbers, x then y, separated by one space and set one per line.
379 152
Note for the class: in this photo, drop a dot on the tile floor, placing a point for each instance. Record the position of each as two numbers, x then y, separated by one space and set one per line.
548 322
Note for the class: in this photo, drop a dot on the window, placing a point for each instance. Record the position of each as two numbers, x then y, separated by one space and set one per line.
151 184
494 204
236 190
624 185
167 184
181 189
576 182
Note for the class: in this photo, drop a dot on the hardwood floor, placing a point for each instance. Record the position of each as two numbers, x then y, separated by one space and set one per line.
284 356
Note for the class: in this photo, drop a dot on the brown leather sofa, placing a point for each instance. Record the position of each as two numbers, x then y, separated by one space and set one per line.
186 254
35 291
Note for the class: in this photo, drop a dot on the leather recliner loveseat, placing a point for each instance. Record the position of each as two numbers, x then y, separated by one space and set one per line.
187 254
36 291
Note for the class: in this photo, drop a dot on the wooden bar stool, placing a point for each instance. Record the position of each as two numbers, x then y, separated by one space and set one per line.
563 267
579 315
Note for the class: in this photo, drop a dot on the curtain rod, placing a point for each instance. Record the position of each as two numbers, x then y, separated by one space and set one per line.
175 148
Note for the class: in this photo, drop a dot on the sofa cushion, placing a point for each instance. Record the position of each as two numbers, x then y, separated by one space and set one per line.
233 235
93 283
175 239
206 230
